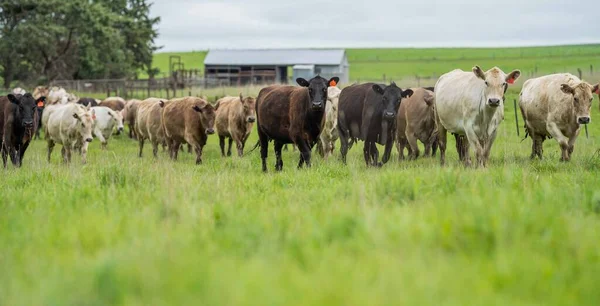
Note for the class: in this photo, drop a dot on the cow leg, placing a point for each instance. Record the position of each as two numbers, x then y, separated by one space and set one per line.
278 160
141 142
222 145
375 155
367 153
535 144
343 144
51 145
176 147
100 137
401 145
562 140
488 148
230 139
572 142
414 147
154 148
198 149
84 149
387 152
474 142
442 141
264 147
239 145
305 151
434 146
22 152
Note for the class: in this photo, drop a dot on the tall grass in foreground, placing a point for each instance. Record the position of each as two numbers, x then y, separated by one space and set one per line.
124 230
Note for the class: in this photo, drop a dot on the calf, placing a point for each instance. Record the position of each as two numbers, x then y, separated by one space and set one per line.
416 121
290 114
235 118
368 112
471 104
149 123
129 113
105 122
555 106
329 134
70 125
189 120
18 122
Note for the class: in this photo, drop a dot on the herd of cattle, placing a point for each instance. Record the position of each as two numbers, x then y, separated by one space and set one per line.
468 104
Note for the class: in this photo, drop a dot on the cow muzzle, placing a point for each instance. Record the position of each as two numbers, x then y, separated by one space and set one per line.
494 102
210 131
583 120
251 119
88 140
389 115
120 129
317 105
28 123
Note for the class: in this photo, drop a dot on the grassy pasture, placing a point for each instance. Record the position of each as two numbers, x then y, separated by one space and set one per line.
124 230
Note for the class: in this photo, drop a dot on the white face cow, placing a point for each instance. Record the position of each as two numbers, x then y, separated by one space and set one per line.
85 122
496 82
583 94
118 119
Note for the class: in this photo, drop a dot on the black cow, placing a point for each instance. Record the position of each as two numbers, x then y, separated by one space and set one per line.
18 122
87 101
368 112
291 114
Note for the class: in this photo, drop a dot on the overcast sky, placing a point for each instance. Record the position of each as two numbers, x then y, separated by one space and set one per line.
236 24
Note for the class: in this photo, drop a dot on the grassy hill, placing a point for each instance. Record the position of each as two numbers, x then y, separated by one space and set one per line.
372 64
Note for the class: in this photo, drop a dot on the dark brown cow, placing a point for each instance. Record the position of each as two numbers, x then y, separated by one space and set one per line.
416 121
188 120
291 114
18 122
368 112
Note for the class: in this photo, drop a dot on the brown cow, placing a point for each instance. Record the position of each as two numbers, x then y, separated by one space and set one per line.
416 121
115 103
290 114
235 118
188 120
148 124
129 113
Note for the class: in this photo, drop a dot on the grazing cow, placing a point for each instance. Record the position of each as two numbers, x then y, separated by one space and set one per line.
368 112
471 103
70 125
188 120
105 122
115 103
129 113
18 121
291 114
235 118
88 101
555 106
416 121
149 123
19 91
329 134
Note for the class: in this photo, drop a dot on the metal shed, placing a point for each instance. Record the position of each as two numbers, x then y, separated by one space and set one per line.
241 67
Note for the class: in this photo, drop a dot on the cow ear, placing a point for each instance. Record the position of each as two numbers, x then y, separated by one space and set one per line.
479 73
407 93
302 82
429 99
333 81
567 89
13 99
198 109
513 76
241 98
161 103
89 106
596 89
377 88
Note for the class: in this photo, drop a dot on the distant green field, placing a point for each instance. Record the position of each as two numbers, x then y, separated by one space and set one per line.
397 64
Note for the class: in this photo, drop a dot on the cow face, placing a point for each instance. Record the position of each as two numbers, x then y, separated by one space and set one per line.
26 108
496 83
85 122
118 118
207 117
333 98
391 97
317 91
582 94
249 108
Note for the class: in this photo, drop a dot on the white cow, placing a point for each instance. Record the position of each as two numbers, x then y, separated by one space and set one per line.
105 122
471 104
70 125
329 133
555 106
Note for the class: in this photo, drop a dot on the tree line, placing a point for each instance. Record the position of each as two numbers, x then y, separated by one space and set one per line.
45 40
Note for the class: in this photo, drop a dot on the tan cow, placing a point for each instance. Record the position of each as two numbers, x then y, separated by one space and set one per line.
555 106
235 118
416 121
115 103
190 120
129 113
149 125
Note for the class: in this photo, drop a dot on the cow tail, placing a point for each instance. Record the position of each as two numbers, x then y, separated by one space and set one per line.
255 146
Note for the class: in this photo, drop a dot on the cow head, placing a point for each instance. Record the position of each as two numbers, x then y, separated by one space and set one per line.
26 107
207 116
85 123
496 84
118 118
249 108
317 91
41 91
391 97
583 94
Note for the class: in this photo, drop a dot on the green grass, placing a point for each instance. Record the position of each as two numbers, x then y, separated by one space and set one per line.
124 230
398 64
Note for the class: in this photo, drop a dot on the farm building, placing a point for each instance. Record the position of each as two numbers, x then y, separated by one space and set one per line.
241 67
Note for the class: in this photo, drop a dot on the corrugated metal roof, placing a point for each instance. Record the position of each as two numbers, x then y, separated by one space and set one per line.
283 57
